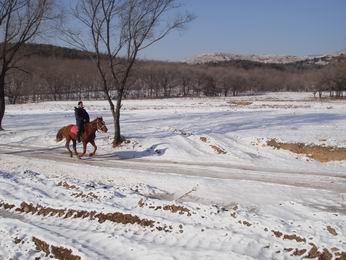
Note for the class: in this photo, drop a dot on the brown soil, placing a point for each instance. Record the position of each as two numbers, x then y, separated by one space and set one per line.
177 209
294 237
246 223
90 195
172 208
141 203
299 252
240 103
218 149
332 230
41 245
6 205
317 152
58 252
67 186
313 253
340 256
116 217
326 255
203 139
124 219
277 233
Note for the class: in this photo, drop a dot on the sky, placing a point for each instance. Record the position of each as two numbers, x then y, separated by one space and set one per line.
278 27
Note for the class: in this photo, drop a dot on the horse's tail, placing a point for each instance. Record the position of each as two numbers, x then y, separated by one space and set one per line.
60 135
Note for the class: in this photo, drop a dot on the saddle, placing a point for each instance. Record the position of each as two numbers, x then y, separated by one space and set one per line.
74 129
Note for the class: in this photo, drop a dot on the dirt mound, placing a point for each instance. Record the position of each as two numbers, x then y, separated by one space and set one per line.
317 152
116 217
58 252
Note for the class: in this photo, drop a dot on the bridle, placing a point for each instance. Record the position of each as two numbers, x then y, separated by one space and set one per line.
100 125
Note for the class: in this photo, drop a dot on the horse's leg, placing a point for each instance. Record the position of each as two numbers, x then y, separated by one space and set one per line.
75 147
84 149
67 145
95 148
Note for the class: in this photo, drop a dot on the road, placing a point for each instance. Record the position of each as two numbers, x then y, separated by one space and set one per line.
335 182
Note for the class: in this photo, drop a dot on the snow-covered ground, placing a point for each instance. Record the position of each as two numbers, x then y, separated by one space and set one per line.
196 178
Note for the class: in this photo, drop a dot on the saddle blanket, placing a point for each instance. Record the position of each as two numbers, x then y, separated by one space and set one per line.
74 129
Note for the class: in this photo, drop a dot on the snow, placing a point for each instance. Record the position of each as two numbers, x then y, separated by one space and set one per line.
278 59
234 200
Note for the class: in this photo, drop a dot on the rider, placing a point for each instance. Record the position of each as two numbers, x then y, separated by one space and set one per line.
82 117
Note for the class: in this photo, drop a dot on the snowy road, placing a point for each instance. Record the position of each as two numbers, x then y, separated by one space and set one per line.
317 180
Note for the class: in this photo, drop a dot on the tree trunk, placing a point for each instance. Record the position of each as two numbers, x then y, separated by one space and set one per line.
2 99
116 119
234 92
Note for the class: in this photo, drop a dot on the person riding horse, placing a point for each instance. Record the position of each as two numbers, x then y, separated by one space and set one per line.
82 117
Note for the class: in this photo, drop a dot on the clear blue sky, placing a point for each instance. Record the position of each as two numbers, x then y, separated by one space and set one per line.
295 27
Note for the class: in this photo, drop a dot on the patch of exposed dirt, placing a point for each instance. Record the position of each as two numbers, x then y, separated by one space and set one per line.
299 252
89 196
245 223
340 256
204 139
294 237
326 255
218 150
67 185
313 253
58 252
116 217
172 208
240 103
177 209
317 152
41 245
215 147
6 205
332 231
277 233
17 240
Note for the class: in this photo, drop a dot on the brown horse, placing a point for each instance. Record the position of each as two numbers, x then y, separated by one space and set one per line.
88 136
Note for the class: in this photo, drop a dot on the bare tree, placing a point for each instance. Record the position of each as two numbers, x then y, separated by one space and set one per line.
20 21
120 30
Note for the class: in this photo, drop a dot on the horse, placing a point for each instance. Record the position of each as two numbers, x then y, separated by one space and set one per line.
69 133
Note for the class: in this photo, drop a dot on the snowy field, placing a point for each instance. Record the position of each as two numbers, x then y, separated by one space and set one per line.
195 180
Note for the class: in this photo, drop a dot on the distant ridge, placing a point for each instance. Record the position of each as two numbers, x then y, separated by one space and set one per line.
220 57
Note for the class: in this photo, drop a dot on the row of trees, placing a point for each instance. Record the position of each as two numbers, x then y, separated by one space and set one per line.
71 79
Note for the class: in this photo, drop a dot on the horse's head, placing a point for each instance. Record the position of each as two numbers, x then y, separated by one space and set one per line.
101 125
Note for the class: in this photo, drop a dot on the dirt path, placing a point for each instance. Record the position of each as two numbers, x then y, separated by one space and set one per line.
316 180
